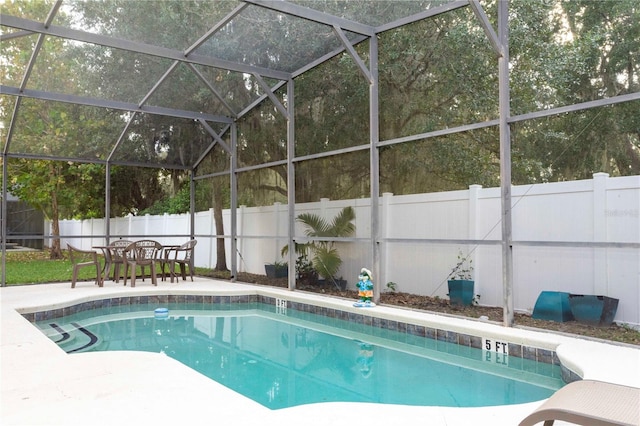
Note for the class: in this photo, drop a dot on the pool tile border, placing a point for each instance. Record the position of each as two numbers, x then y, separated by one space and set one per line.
539 355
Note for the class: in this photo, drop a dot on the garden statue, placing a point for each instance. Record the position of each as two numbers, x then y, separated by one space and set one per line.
365 289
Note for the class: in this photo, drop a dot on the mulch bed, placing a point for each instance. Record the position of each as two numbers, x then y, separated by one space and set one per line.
614 333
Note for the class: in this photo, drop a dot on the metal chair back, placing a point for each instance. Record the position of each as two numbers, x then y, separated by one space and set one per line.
116 257
183 256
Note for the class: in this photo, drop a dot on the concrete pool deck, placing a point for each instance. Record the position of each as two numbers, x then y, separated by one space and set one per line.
42 385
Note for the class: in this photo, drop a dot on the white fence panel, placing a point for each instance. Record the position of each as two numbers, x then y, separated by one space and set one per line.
601 209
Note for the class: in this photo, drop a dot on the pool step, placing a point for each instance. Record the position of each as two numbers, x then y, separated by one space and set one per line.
75 339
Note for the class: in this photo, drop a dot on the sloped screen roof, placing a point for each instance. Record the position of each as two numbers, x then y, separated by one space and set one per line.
141 71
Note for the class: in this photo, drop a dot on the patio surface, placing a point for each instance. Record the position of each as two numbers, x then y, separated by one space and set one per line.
42 385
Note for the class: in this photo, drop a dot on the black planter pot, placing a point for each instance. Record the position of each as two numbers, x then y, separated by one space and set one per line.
593 310
276 271
342 284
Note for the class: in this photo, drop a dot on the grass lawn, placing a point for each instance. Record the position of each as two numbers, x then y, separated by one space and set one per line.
34 267
31 267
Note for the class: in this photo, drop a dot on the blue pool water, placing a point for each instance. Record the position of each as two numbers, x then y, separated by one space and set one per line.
283 358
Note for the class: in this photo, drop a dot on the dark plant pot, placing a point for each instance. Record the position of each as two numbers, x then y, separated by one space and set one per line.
274 271
282 271
342 284
593 310
461 292
553 306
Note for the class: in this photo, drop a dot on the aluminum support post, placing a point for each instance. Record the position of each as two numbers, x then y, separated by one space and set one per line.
234 202
291 184
374 158
505 164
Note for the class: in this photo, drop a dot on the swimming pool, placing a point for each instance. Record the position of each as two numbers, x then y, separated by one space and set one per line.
281 357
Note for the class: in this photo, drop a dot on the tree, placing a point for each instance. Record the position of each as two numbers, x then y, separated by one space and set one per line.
58 188
581 52
166 141
606 35
215 192
434 74
41 192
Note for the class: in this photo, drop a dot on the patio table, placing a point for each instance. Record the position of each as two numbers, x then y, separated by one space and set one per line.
113 256
163 258
106 252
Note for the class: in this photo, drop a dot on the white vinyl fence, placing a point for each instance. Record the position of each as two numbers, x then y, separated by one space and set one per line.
601 210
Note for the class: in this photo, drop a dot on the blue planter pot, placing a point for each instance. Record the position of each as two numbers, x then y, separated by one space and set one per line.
593 310
553 306
461 292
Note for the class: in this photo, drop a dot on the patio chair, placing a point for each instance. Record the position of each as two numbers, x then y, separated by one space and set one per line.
181 255
116 257
141 253
81 258
589 402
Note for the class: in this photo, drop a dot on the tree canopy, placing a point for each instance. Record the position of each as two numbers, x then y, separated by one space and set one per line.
434 74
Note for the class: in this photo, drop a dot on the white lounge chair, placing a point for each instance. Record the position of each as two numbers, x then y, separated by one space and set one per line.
592 403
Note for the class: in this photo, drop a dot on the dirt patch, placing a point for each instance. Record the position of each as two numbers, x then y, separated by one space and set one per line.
614 333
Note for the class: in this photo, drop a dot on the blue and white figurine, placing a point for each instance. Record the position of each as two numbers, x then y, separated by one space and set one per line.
365 289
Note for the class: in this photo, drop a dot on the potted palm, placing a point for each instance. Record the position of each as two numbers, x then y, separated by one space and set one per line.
324 256
460 282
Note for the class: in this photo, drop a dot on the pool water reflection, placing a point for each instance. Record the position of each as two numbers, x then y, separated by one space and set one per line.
282 358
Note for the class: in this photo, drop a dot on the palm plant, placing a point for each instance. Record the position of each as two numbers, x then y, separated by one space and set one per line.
325 258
